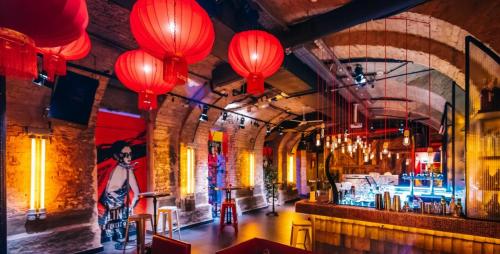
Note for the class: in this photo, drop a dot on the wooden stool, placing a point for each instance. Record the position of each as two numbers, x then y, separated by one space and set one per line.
297 227
228 206
140 222
167 212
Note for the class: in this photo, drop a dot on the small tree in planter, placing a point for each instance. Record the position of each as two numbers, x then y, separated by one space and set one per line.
270 177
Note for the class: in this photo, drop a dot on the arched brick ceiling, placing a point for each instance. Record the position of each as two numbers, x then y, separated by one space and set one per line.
479 17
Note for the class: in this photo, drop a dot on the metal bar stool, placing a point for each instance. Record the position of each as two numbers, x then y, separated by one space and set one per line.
301 226
140 221
167 213
229 207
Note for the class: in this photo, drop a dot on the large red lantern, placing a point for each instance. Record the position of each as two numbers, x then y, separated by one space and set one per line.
179 32
255 55
54 59
17 54
142 73
49 23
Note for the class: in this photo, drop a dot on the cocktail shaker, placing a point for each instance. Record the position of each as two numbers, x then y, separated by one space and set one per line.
387 201
379 202
396 203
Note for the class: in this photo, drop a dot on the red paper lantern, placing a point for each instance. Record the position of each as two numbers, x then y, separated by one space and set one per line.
17 54
49 23
255 55
54 59
179 32
142 73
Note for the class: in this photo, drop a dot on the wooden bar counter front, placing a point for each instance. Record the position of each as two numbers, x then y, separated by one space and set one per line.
348 229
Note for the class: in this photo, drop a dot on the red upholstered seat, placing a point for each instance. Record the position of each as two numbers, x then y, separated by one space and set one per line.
163 245
257 245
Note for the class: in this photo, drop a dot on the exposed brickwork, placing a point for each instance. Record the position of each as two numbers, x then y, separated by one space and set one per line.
70 172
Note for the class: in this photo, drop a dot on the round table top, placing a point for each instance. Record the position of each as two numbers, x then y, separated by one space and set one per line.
231 188
153 194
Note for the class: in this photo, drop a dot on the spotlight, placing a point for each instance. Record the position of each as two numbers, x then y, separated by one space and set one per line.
224 116
41 79
268 129
204 114
359 77
280 131
242 123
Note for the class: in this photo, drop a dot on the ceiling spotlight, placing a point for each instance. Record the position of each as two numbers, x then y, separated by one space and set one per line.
280 131
359 77
224 116
41 79
268 129
204 114
242 123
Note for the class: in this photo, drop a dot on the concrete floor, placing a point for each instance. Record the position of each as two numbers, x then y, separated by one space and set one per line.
206 239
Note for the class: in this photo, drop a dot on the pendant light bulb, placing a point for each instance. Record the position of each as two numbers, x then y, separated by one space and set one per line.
318 140
346 134
406 137
327 142
397 156
407 162
343 148
366 158
322 130
385 147
372 156
389 155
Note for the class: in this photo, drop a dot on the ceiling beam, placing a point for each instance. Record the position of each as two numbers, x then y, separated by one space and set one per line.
348 15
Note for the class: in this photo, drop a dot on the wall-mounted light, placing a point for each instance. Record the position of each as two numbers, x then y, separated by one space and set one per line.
242 123
406 137
204 114
188 165
251 169
37 178
291 167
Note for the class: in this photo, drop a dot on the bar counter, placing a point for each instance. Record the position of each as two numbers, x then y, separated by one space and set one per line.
339 228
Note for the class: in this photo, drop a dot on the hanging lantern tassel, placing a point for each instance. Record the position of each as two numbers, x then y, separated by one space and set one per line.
54 58
175 70
147 101
17 54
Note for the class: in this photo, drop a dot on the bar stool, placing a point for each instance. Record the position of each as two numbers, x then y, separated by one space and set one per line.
301 226
140 222
229 207
167 214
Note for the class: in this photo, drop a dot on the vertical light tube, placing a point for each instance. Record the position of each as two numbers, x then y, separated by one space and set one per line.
42 175
192 171
290 169
251 170
188 171
33 174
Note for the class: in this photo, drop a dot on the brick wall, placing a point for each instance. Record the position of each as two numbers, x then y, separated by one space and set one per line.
70 198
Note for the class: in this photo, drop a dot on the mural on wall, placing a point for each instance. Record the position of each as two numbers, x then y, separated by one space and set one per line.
121 155
217 157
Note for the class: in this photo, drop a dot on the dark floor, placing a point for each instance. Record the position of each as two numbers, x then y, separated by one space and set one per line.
206 239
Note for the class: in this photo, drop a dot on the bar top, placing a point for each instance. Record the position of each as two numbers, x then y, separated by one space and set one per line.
425 221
